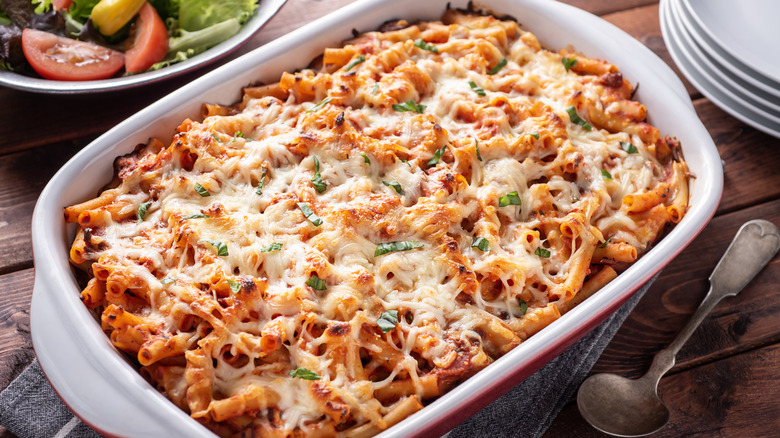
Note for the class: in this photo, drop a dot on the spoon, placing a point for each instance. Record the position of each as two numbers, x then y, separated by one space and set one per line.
623 407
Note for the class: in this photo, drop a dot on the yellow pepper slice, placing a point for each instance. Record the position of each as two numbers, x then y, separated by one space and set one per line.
110 15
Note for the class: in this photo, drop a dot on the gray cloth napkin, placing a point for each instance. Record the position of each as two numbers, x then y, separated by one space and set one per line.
30 408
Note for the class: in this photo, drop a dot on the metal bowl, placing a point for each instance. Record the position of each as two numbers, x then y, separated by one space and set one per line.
264 12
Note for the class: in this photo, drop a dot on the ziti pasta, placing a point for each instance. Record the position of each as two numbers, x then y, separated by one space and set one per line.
341 247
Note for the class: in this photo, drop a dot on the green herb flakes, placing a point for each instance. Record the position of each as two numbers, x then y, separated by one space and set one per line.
303 373
276 246
396 186
309 214
359 60
425 46
523 305
575 118
317 181
479 90
406 245
319 105
606 175
221 248
409 105
541 252
259 189
201 191
142 211
235 286
437 156
316 283
568 63
481 244
629 147
387 320
196 216
511 198
501 64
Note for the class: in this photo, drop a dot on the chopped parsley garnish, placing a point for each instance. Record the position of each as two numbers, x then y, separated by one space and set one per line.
523 305
568 63
481 243
409 105
501 64
396 186
575 118
276 246
406 162
365 159
476 145
629 147
167 280
541 252
306 210
201 191
303 373
195 216
317 181
217 138
376 89
405 245
387 320
316 283
511 198
319 105
425 46
359 60
437 156
604 245
479 90
222 249
259 189
239 134
533 134
606 175
142 211
235 286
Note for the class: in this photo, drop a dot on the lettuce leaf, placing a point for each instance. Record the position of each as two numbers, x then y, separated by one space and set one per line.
166 8
80 9
183 45
200 14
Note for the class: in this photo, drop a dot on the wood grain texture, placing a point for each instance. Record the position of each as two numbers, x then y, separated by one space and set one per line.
15 342
22 177
733 397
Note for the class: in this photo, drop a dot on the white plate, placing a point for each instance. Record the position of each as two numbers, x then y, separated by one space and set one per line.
715 72
732 64
107 393
264 12
747 29
726 100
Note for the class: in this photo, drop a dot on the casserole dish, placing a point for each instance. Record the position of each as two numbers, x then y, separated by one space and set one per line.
96 382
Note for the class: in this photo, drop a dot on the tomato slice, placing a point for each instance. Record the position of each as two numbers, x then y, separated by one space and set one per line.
61 4
64 59
151 40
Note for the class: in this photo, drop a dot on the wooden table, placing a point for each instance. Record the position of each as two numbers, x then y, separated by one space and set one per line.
727 379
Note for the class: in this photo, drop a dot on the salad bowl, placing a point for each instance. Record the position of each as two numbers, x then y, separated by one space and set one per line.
265 10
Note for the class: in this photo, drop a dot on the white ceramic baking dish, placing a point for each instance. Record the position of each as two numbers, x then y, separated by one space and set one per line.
102 388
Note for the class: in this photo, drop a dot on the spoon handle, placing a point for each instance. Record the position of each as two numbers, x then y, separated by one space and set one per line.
755 244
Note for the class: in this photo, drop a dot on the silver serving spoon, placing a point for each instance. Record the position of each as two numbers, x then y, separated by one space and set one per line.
623 407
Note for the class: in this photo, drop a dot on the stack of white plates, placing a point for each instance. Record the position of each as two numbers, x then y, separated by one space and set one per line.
730 51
